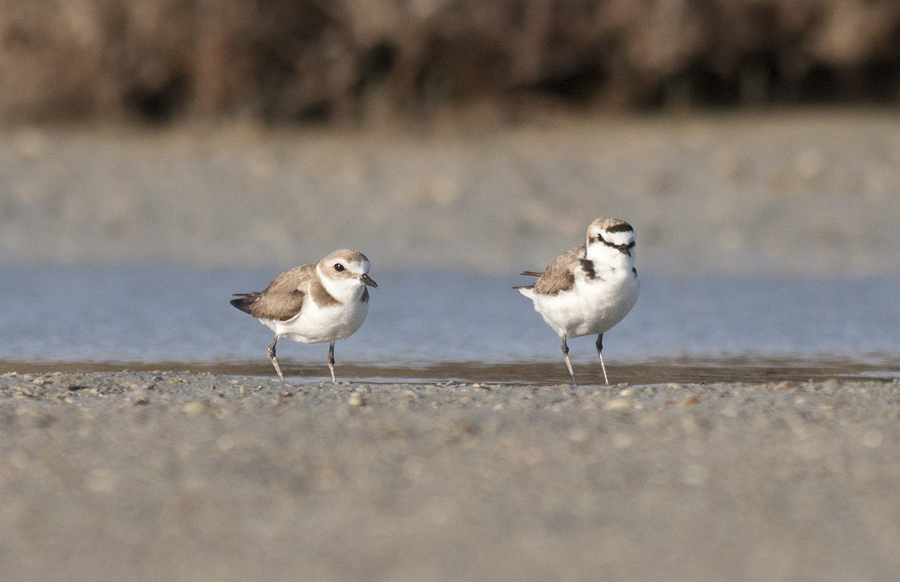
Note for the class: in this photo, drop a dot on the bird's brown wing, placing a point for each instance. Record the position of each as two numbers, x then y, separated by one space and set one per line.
560 274
282 299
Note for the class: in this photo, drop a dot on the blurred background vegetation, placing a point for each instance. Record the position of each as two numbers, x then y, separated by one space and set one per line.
348 61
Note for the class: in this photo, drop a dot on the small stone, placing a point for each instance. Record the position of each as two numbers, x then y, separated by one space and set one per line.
690 401
617 404
141 401
355 400
810 165
578 434
221 413
872 439
102 481
622 440
194 407
626 392
39 381
786 385
31 143
695 474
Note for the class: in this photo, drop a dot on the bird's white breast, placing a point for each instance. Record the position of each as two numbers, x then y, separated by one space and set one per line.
592 306
315 324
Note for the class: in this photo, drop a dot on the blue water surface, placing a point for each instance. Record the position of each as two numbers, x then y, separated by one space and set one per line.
179 314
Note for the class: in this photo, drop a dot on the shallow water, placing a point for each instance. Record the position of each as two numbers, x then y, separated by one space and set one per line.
450 325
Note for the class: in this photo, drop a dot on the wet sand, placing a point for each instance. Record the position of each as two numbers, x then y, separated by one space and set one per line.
683 370
186 476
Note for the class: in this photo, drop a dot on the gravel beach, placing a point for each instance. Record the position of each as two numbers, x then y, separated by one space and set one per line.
186 476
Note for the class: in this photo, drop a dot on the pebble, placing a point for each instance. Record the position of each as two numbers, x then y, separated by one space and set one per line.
622 440
695 474
578 434
872 439
617 404
194 407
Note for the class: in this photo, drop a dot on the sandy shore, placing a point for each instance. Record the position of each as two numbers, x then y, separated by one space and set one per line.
181 476
811 193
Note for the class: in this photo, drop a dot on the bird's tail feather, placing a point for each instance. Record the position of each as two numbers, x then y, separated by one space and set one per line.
244 301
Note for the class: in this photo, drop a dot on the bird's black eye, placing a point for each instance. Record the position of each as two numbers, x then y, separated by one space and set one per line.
338 267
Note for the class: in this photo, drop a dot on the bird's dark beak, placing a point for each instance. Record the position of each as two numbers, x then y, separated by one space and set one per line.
368 280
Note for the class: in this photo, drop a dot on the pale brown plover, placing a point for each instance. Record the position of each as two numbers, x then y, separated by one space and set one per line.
319 302
589 289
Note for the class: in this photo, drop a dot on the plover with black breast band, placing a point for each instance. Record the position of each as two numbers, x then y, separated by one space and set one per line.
319 302
590 288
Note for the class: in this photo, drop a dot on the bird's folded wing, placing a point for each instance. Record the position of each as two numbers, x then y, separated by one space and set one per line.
560 275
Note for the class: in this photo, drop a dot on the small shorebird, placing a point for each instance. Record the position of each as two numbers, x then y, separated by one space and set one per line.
319 302
589 289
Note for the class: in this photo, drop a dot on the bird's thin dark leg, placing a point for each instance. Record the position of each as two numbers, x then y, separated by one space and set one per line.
565 351
331 362
274 359
600 353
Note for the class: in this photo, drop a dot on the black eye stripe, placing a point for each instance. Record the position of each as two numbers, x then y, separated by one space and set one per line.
625 248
